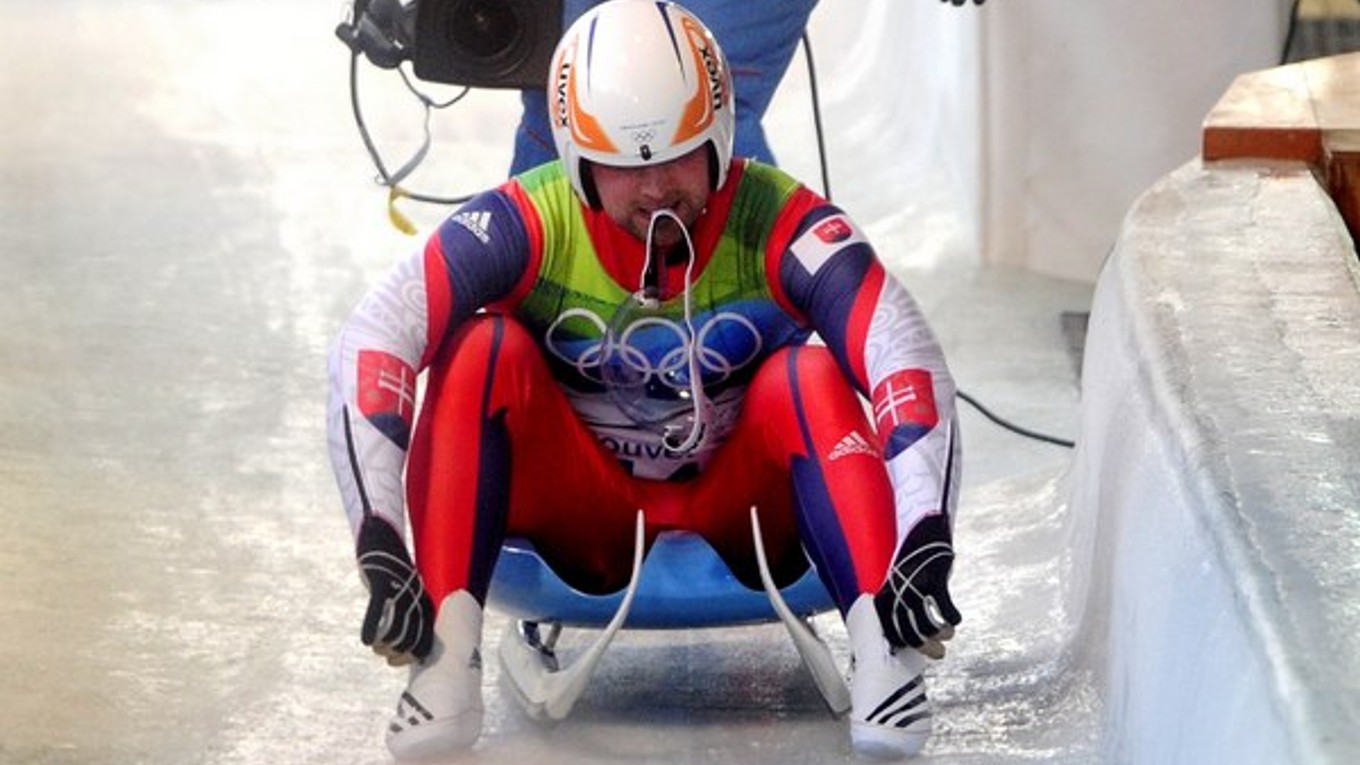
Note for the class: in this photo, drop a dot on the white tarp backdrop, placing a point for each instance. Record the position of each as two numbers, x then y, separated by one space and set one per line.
1035 122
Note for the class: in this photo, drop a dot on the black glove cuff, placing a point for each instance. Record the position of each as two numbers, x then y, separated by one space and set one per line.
378 536
933 529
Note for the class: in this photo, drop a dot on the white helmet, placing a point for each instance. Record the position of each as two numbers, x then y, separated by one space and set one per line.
639 82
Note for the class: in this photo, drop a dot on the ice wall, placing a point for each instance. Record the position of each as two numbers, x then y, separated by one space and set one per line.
1028 127
1215 527
1086 104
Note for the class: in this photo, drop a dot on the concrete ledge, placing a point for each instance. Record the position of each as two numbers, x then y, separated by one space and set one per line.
1215 534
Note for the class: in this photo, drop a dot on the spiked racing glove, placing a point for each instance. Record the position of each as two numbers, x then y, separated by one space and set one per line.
399 622
914 603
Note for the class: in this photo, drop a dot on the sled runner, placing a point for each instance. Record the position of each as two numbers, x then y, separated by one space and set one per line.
681 584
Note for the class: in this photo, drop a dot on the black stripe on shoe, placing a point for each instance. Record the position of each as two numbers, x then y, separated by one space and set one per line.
895 704
419 713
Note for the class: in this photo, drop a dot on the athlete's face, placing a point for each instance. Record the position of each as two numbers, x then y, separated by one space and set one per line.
629 195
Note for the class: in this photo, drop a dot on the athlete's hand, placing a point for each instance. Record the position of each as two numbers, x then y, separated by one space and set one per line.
399 623
914 603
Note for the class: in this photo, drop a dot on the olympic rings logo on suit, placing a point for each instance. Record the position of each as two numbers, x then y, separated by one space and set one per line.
719 356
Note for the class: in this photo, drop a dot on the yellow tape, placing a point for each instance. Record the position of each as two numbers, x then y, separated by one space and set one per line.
402 223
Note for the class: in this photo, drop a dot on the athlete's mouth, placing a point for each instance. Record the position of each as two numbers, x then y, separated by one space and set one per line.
668 223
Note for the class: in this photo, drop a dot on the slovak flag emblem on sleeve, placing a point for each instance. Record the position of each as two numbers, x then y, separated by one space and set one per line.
387 394
904 409
815 246
833 230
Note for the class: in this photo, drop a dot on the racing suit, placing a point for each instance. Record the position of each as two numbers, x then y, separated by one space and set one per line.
515 311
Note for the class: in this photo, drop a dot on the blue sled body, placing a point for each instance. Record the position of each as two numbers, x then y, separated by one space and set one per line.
683 584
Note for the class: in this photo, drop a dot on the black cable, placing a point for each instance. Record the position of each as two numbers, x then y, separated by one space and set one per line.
385 177
1012 426
1289 34
817 115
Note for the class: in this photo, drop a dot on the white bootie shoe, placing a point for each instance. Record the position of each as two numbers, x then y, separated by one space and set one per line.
890 716
440 712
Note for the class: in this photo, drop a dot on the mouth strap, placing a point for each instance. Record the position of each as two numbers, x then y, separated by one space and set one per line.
674 438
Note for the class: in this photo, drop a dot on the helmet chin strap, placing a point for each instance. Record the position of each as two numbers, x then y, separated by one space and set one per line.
673 437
